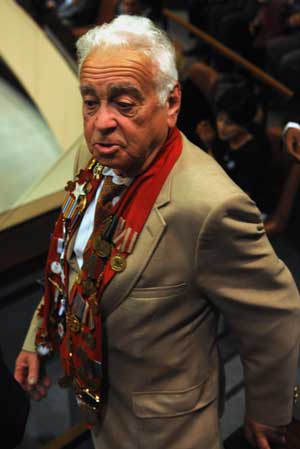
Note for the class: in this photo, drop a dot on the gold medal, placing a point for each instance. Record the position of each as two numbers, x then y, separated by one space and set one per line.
88 187
92 163
81 204
103 248
118 263
88 287
73 323
97 170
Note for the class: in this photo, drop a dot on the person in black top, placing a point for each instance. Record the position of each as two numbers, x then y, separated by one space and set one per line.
238 143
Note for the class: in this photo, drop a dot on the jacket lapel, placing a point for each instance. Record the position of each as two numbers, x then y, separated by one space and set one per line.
122 283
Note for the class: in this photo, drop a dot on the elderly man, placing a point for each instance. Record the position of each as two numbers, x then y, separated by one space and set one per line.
152 243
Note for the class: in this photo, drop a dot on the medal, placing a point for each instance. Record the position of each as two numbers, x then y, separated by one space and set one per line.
78 191
88 287
55 267
78 306
102 247
43 349
91 266
118 263
97 170
62 306
81 204
88 187
73 323
94 304
61 329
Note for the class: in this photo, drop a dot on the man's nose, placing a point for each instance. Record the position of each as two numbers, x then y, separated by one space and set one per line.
105 120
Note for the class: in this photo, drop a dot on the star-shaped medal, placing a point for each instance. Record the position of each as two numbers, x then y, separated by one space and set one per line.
78 191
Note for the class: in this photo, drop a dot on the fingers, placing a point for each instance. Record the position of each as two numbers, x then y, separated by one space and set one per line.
292 141
27 373
21 369
33 369
39 390
263 440
46 381
261 436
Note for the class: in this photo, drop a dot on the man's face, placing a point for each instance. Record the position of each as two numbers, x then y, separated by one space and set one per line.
125 126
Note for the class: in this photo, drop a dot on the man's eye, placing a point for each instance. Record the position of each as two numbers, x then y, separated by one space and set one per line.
90 104
124 106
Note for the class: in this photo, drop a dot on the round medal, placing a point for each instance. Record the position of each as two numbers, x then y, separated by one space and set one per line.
60 329
118 263
55 267
103 248
88 287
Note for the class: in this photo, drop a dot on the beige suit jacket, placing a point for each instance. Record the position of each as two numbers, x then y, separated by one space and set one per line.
203 250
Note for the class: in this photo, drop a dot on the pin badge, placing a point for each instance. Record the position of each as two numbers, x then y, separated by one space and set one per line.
56 267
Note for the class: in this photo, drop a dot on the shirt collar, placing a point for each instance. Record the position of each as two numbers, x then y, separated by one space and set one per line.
116 179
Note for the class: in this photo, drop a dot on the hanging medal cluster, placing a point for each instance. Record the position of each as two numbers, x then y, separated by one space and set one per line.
74 324
83 353
54 310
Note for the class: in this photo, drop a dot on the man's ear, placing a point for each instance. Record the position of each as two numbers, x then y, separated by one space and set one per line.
174 100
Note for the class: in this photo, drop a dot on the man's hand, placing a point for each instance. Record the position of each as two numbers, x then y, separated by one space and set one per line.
262 436
28 374
292 141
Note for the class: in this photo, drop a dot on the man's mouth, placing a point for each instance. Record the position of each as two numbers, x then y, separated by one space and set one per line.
105 149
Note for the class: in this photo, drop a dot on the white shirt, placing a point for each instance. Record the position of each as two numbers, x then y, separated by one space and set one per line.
87 222
288 126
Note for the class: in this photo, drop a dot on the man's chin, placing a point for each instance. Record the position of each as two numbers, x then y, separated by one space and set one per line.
118 167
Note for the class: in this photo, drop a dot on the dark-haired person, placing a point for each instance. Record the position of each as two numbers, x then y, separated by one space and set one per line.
239 143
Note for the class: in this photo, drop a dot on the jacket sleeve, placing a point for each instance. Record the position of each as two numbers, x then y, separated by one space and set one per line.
36 321
242 276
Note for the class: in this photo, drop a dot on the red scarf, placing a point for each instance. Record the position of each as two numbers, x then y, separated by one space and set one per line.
80 343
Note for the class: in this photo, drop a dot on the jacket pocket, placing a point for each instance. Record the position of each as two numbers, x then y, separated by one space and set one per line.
174 403
158 292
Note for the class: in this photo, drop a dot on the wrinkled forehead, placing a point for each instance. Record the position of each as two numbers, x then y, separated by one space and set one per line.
104 65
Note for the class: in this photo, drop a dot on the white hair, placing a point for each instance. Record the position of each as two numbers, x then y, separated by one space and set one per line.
140 34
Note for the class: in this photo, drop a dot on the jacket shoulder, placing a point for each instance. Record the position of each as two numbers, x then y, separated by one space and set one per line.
197 176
